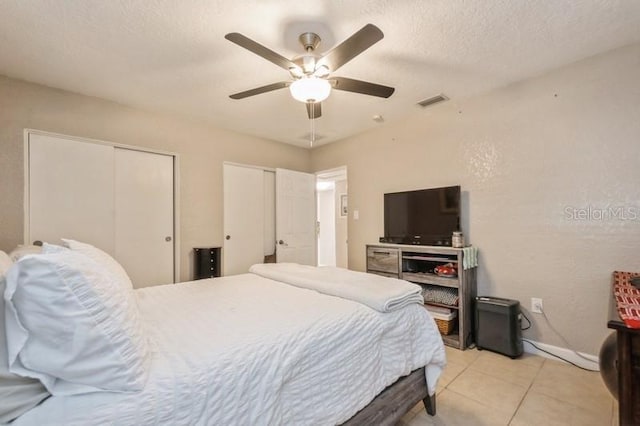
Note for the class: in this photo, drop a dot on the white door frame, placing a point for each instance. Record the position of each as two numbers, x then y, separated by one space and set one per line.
176 185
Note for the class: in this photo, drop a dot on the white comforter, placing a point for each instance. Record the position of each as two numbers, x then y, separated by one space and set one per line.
380 293
247 350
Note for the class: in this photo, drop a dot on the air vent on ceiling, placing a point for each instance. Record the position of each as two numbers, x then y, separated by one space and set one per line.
432 100
307 137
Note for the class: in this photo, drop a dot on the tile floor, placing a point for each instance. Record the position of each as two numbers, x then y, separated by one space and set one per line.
485 388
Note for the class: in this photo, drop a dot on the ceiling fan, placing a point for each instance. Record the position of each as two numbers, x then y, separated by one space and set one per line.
311 82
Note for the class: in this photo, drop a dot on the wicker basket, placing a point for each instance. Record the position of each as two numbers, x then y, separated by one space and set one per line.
445 322
445 326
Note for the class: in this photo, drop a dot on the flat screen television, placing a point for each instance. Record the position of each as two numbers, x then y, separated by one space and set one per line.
425 217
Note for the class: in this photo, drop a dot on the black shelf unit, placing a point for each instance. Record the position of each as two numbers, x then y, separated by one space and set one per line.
207 262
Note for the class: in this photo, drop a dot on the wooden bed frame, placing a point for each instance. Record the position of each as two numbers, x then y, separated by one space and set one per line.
395 401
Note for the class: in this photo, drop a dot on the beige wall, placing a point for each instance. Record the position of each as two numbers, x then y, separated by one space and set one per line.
202 150
523 154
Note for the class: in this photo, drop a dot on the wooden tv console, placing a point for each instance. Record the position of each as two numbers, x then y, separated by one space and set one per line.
415 263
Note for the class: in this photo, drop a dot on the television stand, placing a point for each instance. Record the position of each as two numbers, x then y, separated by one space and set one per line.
415 263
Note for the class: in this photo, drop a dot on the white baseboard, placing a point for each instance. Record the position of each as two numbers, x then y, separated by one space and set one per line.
568 354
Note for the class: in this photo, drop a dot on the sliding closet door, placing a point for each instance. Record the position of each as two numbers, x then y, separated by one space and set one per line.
119 200
144 216
243 218
71 191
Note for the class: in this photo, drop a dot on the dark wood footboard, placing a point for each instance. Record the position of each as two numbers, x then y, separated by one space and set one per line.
395 401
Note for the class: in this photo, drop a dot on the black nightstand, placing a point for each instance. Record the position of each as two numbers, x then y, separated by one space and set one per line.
206 262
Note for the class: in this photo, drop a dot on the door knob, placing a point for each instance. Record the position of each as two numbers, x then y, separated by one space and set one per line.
282 243
167 239
228 237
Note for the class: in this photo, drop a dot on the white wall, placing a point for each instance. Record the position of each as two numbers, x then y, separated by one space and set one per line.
202 149
523 154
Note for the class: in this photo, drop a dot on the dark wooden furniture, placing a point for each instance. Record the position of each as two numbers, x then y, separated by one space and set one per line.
395 401
628 368
207 262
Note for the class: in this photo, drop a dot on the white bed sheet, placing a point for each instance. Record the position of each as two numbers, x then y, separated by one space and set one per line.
247 350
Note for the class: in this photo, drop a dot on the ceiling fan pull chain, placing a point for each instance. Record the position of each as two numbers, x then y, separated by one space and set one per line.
312 133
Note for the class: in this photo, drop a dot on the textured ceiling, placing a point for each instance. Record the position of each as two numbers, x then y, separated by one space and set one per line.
171 56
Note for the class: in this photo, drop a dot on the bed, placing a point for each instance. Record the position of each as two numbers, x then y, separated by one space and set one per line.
247 349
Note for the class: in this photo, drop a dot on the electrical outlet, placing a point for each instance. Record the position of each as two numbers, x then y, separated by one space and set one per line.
536 305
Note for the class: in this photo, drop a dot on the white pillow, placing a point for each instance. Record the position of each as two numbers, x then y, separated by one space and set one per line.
52 248
70 326
101 258
17 394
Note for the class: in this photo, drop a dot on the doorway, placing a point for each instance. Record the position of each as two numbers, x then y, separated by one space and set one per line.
332 201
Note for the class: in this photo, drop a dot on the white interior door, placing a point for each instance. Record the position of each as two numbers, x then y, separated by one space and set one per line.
144 216
295 217
243 189
71 191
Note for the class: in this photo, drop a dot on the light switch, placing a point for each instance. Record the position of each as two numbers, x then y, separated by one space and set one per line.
356 215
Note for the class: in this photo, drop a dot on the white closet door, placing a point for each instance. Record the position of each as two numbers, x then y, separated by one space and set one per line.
243 218
71 187
296 217
144 233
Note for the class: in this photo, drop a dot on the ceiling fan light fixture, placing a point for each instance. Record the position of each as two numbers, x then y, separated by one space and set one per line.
311 80
296 72
321 71
310 89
